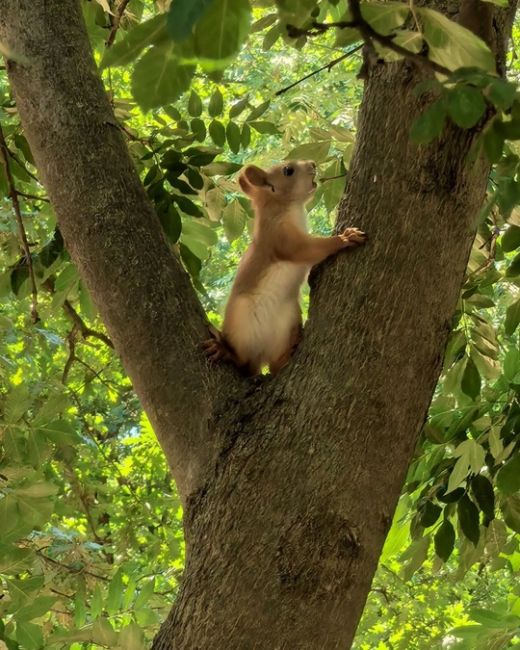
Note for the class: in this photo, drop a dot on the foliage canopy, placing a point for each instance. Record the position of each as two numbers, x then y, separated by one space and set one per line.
91 550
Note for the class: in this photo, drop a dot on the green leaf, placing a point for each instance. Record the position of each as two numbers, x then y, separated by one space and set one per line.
159 78
38 607
245 136
514 268
61 432
484 495
217 132
191 262
471 458
14 560
271 37
511 239
267 128
29 635
263 22
37 490
429 124
151 174
466 106
16 404
151 32
194 178
234 220
216 103
452 45
180 185
115 593
470 383
512 318
508 477
183 16
194 103
469 519
501 93
239 106
198 128
385 17
430 512
316 151
258 111
444 540
221 30
171 222
415 556
233 136
220 168
145 594
103 633
187 206
493 143
96 604
511 364
131 637
510 507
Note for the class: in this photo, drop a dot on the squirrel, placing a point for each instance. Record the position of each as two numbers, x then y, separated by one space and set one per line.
262 321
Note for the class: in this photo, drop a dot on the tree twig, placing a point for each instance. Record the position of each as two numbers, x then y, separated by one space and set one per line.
328 66
32 197
83 328
27 171
72 355
70 569
85 331
120 10
13 195
368 34
332 178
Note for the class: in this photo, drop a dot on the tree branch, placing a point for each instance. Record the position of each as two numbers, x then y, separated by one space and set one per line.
328 67
13 195
32 197
83 328
120 10
368 34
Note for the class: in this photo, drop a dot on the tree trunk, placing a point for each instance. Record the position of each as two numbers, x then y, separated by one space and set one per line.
290 482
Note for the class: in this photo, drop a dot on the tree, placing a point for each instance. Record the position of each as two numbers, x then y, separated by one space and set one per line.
289 484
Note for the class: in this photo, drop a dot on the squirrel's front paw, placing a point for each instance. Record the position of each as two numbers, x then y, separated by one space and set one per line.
353 237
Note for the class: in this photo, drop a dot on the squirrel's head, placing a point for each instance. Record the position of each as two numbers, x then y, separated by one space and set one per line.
289 182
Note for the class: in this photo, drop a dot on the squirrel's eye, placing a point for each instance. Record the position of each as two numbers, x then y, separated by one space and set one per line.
288 171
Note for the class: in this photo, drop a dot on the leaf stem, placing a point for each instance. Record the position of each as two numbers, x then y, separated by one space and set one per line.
13 195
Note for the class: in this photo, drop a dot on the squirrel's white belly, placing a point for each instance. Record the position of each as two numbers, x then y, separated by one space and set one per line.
258 325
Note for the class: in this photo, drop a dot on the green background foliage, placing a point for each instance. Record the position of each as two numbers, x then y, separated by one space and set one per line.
91 545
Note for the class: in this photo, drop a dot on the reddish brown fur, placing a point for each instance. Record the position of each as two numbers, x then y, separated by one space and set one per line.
262 323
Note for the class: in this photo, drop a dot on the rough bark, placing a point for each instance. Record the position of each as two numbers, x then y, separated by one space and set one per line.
290 482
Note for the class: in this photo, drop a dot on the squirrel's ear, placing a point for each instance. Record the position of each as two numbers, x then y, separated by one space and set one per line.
255 176
252 178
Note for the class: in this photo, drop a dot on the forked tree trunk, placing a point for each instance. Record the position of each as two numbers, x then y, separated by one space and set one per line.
292 481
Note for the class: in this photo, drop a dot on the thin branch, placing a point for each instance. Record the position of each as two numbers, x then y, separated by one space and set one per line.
368 34
332 178
72 355
76 319
69 568
20 162
13 194
116 21
33 197
328 67
83 328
